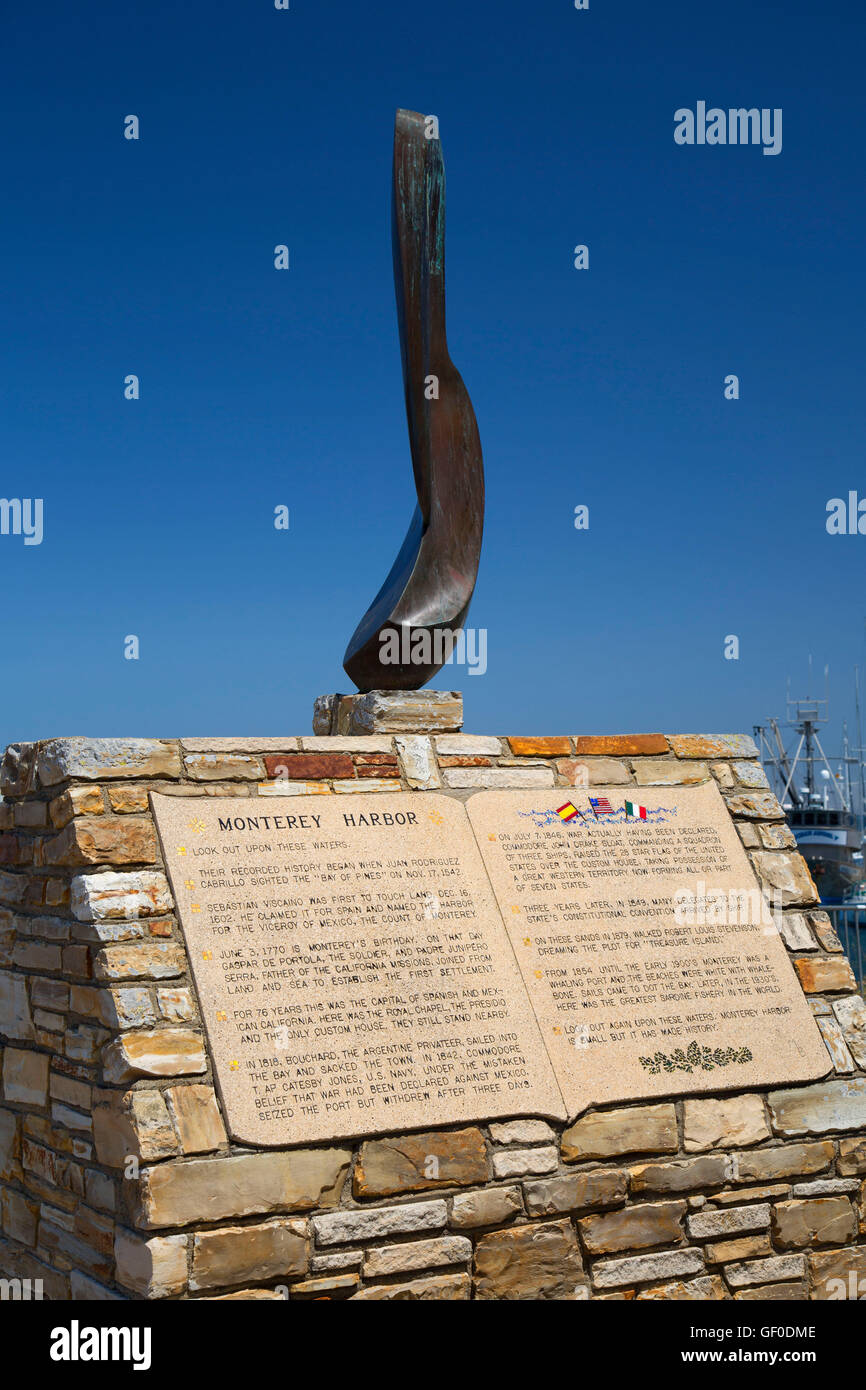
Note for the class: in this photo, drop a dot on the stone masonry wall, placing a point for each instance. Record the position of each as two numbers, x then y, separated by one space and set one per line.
117 1179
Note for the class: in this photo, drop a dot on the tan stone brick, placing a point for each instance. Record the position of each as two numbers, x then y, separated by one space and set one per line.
284 788
748 834
10 1146
821 1221
101 759
706 1289
635 1269
136 1124
492 1207
713 745
154 1052
601 1187
669 772
538 1261
235 1254
154 1267
776 837
723 774
25 1077
110 896
127 801
256 1295
20 1216
635 1228
75 801
710 1223
417 1162
826 934
213 1189
417 1254
103 840
783 1161
539 747
593 772
127 1008
439 1288
16 1020
216 767
829 1106
819 976
744 1248
30 815
852 1156
176 1005
681 1175
838 1274
148 960
517 1163
785 874
197 1118
608 1133
749 773
621 745
417 761
851 1015
95 1227
770 1271
792 1292
365 784
523 1132
340 1227
494 777
468 745
70 1091
755 806
794 931
837 1049
328 1286
37 955
713 1124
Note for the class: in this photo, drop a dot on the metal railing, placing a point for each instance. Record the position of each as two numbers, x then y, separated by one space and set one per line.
850 926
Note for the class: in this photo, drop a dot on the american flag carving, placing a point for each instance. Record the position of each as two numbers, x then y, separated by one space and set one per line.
601 806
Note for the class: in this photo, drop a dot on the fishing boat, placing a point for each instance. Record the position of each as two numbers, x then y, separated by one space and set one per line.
824 808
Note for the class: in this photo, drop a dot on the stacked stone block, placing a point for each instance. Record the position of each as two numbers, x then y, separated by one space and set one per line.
118 1179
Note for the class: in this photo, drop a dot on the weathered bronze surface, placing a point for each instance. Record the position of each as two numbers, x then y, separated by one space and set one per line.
431 581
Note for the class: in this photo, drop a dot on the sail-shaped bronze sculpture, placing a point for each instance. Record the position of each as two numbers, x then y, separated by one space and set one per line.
429 587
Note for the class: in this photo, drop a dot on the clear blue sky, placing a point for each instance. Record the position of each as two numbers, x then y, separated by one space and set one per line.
261 387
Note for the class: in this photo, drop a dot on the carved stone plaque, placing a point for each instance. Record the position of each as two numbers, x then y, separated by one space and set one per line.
351 966
356 975
652 961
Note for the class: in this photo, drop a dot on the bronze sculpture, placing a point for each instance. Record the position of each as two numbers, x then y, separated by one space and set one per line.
425 598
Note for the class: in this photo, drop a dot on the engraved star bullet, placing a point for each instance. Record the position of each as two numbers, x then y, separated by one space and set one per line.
188 883
221 1016
515 909
195 907
558 1032
207 955
538 975
527 941
181 849
234 1066
491 837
